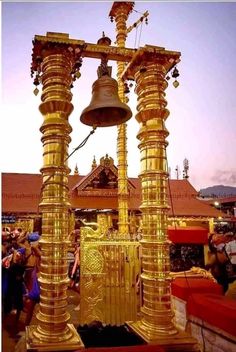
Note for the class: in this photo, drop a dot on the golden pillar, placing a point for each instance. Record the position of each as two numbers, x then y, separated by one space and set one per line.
53 332
149 67
156 311
211 225
120 12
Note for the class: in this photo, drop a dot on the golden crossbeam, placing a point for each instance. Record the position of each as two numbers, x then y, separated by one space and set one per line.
96 51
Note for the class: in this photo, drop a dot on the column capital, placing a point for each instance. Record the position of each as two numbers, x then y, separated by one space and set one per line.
150 54
51 44
121 7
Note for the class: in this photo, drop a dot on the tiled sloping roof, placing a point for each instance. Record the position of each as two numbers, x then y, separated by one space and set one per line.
221 200
190 206
230 199
182 188
96 202
177 187
182 200
21 193
73 180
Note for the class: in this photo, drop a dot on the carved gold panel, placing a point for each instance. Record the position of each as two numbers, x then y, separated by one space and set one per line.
109 273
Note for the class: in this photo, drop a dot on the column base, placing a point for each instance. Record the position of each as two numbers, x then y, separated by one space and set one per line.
34 344
181 341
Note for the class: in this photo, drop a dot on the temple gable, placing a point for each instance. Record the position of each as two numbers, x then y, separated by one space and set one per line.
102 177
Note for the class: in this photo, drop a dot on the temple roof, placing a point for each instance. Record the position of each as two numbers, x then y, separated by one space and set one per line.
221 200
21 194
101 177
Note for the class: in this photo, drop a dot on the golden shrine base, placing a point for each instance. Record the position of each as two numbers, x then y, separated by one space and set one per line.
181 341
33 344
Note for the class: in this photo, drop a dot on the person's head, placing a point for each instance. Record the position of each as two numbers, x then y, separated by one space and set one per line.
229 236
5 235
78 224
14 235
19 255
33 237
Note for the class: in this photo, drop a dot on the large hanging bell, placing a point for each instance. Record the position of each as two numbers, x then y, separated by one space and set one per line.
105 108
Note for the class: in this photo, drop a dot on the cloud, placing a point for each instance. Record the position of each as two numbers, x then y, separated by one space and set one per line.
225 177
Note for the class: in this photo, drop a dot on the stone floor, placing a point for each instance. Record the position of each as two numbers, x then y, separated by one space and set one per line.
10 338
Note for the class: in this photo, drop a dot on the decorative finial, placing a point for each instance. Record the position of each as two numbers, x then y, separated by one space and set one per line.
76 171
104 40
94 164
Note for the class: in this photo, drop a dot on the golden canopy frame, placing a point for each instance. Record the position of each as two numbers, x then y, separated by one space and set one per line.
55 57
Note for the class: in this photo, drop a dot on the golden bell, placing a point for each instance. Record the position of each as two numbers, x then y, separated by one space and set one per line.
105 108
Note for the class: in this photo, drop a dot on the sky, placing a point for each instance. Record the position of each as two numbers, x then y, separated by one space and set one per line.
201 123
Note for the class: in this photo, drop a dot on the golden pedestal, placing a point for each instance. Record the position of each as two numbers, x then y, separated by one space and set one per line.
35 344
180 341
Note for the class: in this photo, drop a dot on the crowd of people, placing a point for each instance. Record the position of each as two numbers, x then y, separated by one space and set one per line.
20 265
21 255
221 260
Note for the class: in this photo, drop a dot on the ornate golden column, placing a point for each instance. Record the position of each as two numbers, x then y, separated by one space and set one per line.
53 331
120 12
149 67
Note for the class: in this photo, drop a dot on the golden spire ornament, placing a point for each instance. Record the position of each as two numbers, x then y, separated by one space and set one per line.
76 171
120 12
